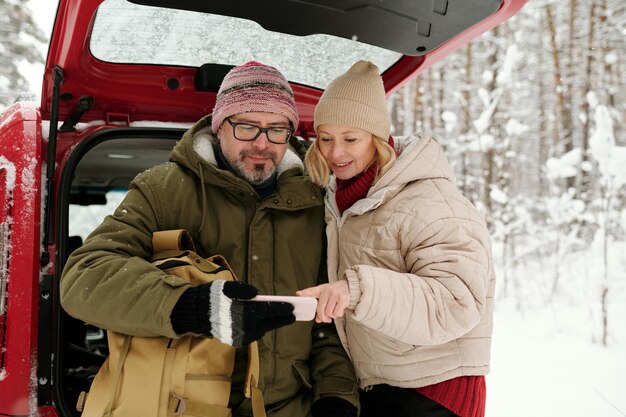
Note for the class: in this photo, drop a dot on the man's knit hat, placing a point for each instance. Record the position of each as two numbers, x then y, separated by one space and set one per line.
254 87
356 99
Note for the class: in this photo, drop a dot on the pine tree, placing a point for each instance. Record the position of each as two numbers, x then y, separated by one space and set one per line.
19 41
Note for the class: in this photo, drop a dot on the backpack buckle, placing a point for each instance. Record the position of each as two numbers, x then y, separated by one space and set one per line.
176 404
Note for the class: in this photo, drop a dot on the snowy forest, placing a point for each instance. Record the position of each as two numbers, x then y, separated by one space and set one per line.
532 118
21 42
531 115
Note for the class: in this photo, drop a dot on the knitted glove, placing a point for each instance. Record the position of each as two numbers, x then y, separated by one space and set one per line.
333 407
215 309
238 323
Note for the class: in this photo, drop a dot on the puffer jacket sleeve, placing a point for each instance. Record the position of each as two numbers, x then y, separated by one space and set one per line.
108 281
443 294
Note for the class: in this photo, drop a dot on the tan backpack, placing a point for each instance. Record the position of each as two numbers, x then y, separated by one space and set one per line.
163 377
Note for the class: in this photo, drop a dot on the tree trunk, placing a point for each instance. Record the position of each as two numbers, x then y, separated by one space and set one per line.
441 97
394 111
568 108
607 74
604 293
417 104
562 129
431 88
489 155
586 109
408 110
467 118
543 127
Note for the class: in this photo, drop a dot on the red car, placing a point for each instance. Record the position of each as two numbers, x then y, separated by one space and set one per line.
122 81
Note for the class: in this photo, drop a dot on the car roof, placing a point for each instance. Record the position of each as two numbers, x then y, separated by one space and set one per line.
124 61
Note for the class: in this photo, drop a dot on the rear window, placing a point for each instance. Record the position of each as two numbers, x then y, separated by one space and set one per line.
128 33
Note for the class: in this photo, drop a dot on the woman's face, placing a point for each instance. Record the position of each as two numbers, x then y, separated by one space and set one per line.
348 150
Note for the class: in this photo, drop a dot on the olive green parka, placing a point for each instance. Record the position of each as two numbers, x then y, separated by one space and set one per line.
276 244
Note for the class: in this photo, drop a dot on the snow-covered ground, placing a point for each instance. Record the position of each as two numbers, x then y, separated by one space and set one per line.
545 364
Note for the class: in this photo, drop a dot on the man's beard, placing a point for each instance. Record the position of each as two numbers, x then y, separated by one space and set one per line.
259 173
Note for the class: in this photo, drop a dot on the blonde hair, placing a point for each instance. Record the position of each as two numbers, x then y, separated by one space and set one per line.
319 171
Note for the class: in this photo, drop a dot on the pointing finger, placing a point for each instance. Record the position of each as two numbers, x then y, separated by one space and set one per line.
310 292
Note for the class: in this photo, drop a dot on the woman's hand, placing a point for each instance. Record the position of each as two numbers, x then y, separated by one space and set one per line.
333 298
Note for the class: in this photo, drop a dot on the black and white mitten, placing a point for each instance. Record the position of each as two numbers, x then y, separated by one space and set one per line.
218 309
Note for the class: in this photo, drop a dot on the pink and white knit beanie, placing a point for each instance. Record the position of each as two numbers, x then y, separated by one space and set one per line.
254 87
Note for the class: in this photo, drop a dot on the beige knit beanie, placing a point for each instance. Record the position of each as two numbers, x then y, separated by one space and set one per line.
355 99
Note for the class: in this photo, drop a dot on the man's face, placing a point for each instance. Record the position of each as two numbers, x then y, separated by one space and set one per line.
257 160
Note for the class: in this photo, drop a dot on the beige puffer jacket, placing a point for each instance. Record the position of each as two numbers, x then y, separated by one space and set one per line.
417 256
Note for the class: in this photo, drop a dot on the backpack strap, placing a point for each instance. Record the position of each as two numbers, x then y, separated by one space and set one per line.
180 239
178 406
108 412
252 390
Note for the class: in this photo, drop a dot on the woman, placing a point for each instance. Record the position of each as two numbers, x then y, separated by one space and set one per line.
411 278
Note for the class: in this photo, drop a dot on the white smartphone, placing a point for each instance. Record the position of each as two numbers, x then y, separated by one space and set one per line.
303 307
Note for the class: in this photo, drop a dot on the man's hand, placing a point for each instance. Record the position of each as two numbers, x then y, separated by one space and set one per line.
333 298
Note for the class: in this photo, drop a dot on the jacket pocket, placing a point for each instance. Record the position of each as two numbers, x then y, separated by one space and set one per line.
303 372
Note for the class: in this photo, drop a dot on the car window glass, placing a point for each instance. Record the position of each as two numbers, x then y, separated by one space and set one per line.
101 178
84 219
127 33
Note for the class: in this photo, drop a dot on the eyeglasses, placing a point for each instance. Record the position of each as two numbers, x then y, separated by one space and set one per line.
247 132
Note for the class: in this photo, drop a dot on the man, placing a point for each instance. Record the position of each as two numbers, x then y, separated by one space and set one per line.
237 186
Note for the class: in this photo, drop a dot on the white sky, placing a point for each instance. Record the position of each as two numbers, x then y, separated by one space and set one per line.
44 11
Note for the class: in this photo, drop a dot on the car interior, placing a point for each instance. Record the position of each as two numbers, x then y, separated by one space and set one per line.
103 165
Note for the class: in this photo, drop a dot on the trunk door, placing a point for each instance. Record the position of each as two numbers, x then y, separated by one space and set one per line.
20 217
150 60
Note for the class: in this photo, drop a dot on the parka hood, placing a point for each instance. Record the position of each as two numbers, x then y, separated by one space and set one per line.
420 158
195 151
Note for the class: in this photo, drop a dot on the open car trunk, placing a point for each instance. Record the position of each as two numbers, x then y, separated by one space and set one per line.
134 61
125 78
